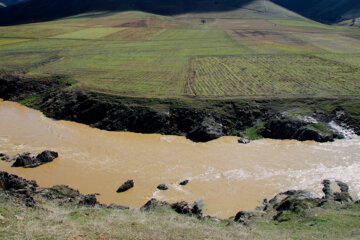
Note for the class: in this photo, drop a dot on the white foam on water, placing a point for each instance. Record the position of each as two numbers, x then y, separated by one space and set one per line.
344 130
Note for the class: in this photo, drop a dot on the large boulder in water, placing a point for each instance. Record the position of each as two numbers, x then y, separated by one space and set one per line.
31 160
47 156
163 187
26 159
126 186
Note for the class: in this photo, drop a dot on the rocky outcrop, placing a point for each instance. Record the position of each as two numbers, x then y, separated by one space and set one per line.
207 130
295 129
18 187
343 196
286 205
29 192
31 160
153 204
183 207
125 186
88 200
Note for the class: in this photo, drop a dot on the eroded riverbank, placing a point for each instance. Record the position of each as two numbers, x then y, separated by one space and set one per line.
226 175
200 120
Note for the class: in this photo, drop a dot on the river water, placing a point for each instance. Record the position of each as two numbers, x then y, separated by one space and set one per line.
225 175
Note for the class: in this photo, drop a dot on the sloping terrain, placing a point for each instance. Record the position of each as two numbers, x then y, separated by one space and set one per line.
6 3
272 52
327 11
42 10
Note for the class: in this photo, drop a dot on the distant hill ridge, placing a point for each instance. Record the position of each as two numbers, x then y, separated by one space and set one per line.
326 11
6 3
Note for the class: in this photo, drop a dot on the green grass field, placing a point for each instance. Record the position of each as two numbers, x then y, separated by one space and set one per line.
275 54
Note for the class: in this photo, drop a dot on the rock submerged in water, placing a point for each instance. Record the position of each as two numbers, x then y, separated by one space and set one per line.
125 186
31 160
4 157
163 187
185 182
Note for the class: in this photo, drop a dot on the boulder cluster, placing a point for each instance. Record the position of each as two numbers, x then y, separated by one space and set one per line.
297 201
30 159
182 207
29 192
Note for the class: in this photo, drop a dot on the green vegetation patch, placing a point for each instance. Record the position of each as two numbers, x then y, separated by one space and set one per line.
301 23
137 54
89 33
4 41
271 75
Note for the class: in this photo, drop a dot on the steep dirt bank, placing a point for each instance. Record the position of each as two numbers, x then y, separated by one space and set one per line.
199 120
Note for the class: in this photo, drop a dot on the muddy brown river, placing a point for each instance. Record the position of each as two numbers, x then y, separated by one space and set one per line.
225 175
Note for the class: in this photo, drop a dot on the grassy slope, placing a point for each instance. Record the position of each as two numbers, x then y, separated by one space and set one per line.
50 221
259 50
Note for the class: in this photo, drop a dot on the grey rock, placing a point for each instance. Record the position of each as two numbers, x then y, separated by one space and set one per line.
244 140
344 188
327 189
343 197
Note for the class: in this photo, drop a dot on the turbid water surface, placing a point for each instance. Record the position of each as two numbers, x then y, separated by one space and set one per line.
226 175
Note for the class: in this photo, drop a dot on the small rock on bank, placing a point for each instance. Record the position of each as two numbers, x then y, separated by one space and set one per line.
244 140
126 186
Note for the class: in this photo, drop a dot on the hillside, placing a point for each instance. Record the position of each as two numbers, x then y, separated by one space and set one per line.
41 10
7 3
327 11
260 52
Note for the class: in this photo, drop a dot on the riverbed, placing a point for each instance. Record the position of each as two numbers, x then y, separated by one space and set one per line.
225 175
